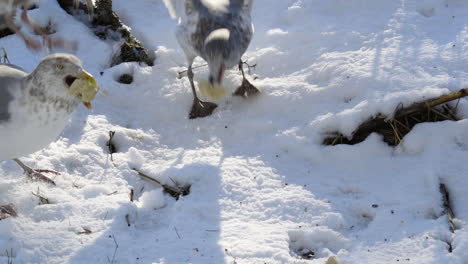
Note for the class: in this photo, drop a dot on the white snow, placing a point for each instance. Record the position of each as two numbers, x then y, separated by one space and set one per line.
263 187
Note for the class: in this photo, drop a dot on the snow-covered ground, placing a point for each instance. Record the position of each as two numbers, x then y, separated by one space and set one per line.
263 187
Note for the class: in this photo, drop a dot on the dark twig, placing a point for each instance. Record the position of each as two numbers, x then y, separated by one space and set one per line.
448 211
85 231
131 195
7 211
177 232
447 206
456 106
110 144
127 219
175 192
450 112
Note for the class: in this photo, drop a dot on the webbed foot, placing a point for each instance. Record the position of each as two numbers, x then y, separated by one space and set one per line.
246 89
201 109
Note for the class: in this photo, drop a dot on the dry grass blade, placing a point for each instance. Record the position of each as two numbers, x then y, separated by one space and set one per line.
42 199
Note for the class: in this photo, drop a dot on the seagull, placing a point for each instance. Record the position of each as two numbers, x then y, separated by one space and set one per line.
219 31
35 107
7 21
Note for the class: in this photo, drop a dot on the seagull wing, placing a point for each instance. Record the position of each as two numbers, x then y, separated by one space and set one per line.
176 7
10 78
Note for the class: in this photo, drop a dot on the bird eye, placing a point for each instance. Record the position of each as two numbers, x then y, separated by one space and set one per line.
59 66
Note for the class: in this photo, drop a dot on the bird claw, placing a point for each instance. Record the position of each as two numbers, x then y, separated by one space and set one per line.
201 109
7 211
37 175
246 89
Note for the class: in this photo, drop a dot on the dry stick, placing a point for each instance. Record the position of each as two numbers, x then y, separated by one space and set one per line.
7 211
415 119
401 124
447 206
85 231
131 195
417 107
441 114
127 219
380 121
174 191
448 211
432 102
449 112
110 144
407 122
177 232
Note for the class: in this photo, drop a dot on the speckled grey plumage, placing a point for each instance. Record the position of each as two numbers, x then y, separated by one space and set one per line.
11 77
37 86
193 33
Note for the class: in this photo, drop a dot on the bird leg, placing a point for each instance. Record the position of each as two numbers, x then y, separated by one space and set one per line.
246 89
6 211
31 43
5 56
49 42
36 174
199 108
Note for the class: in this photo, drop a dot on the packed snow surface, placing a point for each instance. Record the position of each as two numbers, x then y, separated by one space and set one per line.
263 187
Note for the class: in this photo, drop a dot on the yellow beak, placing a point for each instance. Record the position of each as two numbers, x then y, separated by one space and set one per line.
85 88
